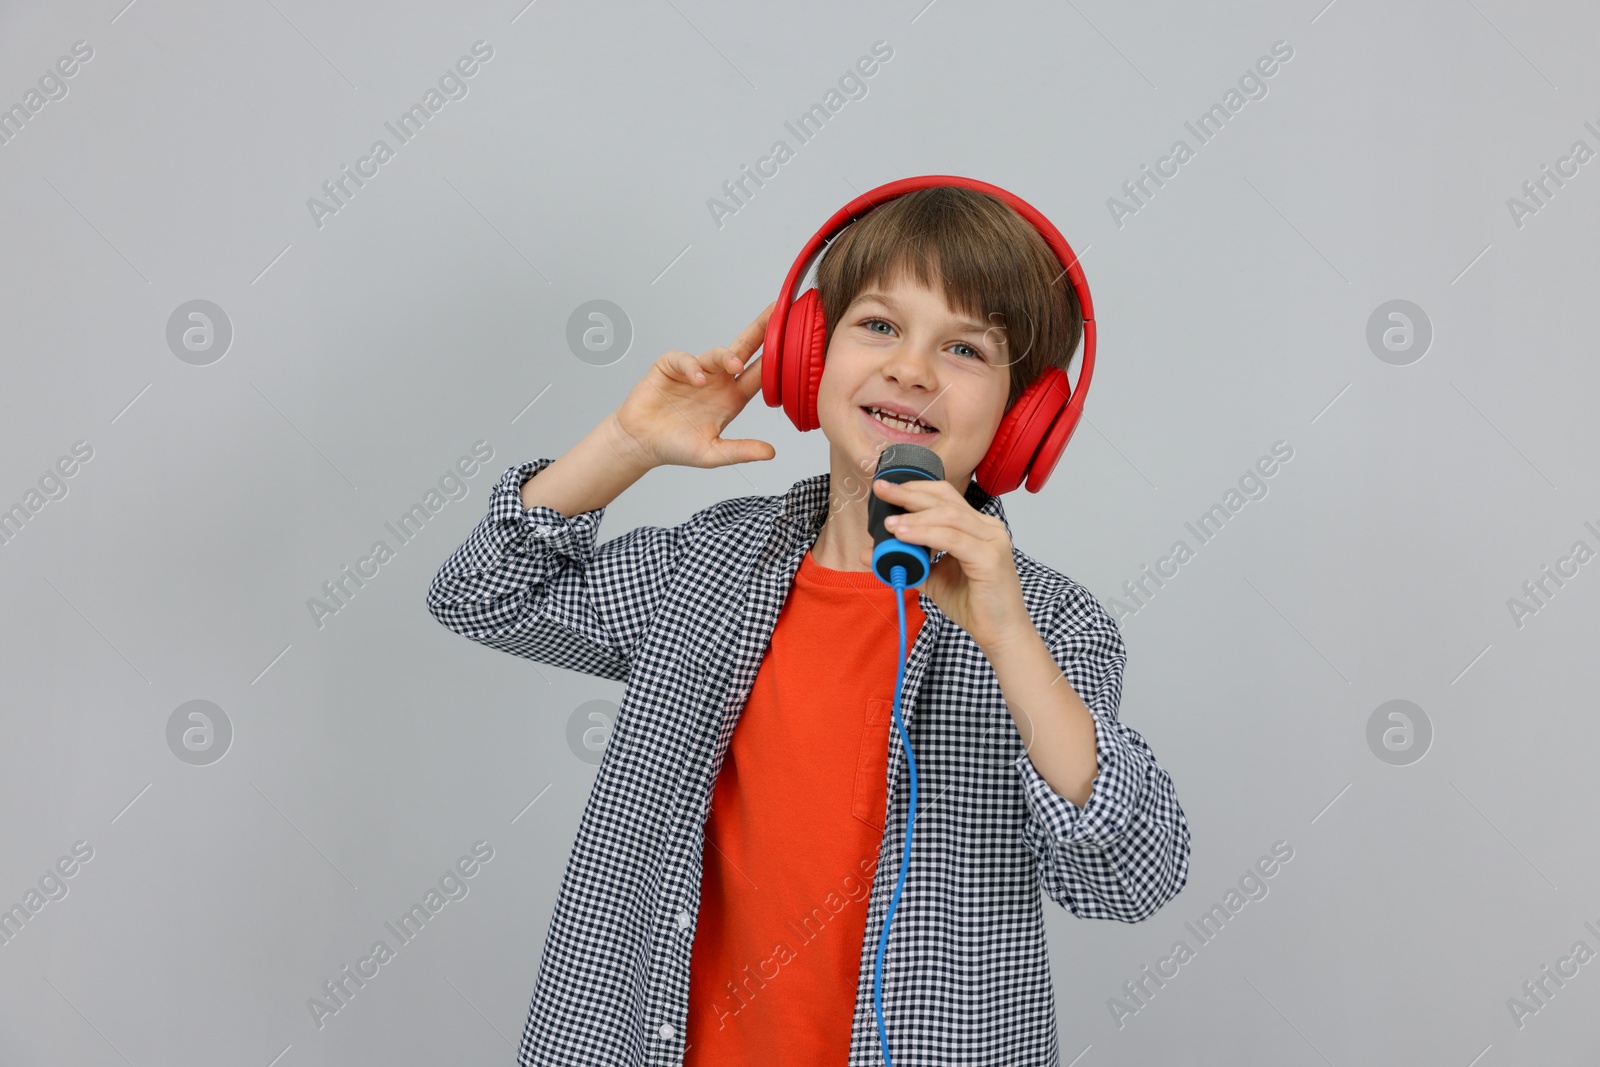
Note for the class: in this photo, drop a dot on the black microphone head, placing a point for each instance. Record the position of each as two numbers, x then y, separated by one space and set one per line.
916 457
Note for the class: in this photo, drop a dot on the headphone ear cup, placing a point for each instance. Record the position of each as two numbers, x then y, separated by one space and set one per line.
1021 433
1055 443
803 352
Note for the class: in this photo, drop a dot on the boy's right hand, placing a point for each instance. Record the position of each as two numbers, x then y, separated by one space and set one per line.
675 414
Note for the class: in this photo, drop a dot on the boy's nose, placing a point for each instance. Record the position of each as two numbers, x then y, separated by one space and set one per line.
912 365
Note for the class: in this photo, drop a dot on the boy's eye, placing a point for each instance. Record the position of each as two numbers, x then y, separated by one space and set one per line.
973 352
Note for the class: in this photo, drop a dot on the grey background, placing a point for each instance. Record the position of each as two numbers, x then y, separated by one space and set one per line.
368 355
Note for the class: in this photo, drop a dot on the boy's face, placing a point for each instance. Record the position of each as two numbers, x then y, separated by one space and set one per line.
901 347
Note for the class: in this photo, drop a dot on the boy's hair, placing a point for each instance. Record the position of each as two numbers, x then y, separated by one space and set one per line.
990 261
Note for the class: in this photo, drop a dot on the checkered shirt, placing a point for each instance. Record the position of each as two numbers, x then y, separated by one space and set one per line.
683 615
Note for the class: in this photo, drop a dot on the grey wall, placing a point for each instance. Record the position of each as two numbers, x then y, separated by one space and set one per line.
1432 875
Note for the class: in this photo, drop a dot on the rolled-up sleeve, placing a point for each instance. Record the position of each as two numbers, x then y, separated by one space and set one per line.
1125 852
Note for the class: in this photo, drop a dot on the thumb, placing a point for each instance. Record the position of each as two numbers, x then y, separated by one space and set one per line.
745 449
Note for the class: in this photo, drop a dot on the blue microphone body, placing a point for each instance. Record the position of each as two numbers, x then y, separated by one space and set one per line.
902 462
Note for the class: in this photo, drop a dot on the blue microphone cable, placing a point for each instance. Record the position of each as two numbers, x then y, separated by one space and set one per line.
898 581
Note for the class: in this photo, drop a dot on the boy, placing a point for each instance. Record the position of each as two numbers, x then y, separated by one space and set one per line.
726 891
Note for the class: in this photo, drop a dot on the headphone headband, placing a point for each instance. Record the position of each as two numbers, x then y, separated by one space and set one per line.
778 321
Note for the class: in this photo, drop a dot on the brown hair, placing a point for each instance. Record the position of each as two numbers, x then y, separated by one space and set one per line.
991 262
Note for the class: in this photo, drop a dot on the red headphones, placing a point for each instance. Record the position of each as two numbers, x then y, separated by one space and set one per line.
1033 433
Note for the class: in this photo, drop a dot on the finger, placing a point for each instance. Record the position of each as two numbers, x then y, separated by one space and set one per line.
919 487
920 494
677 365
888 490
693 370
727 360
745 449
958 543
966 520
750 338
710 361
749 380
914 522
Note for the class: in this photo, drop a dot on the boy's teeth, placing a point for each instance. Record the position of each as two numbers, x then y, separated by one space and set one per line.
898 423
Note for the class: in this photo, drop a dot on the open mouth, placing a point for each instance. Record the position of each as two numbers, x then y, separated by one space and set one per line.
902 423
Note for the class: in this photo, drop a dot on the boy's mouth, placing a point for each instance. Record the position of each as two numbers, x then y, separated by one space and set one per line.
900 425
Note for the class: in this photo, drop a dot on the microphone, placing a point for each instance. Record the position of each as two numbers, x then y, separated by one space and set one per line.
900 462
900 566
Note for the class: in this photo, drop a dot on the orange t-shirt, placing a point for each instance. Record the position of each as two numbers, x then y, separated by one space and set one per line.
791 842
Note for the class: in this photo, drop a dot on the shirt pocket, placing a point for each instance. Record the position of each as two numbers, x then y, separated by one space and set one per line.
872 763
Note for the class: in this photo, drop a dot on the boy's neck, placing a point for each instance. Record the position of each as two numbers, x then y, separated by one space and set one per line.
844 535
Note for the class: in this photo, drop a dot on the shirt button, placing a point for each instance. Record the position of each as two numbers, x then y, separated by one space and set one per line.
684 920
666 1031
543 530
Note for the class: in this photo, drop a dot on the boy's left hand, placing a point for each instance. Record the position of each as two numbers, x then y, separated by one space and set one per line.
976 582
